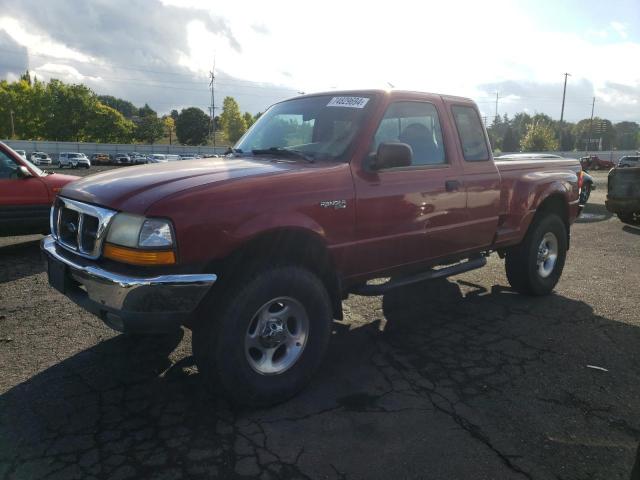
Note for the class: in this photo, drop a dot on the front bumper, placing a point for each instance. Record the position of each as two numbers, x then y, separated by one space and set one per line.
622 205
156 304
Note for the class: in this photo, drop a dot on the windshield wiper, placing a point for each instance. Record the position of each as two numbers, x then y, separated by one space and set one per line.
284 152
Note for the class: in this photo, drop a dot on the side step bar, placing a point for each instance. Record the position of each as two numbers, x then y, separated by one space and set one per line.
375 290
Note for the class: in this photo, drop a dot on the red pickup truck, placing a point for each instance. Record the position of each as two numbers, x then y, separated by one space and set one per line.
256 251
26 194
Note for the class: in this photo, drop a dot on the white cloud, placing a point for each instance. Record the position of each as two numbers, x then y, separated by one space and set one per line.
63 72
620 28
40 44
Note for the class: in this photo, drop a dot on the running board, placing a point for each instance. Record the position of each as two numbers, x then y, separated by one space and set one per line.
380 289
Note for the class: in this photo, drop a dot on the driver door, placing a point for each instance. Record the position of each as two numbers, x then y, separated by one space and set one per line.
408 215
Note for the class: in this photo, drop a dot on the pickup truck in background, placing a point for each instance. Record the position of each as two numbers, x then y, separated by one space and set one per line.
623 194
594 162
256 251
26 194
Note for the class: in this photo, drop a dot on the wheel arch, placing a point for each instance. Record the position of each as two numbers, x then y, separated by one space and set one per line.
555 203
283 245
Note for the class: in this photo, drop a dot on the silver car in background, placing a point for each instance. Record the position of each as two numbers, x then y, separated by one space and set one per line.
156 158
73 160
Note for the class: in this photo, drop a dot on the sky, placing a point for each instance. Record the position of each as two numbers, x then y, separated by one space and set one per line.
160 52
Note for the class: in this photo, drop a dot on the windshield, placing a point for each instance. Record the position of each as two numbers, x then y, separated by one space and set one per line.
321 127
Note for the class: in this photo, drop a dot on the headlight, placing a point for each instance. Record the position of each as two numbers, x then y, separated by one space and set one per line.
155 233
136 231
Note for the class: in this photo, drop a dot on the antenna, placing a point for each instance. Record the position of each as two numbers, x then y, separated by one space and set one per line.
212 85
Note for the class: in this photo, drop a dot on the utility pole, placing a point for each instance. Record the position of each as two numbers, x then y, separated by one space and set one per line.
13 132
212 85
564 93
591 124
496 117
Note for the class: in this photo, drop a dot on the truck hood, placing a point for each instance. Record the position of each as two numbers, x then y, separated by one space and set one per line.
134 189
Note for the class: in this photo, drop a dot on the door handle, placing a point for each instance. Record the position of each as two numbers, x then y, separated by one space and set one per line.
452 185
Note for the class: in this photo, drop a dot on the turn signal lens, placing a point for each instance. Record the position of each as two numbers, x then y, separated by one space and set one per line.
139 257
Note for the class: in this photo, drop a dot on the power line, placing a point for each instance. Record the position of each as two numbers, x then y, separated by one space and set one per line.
111 66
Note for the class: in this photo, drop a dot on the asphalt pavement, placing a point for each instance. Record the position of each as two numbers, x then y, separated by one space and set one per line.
453 379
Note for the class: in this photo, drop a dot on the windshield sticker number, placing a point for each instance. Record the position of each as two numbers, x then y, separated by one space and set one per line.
349 102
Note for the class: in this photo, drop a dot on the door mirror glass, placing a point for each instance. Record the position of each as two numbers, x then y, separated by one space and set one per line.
392 155
23 172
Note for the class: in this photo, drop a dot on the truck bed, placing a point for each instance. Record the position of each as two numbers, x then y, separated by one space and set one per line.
523 182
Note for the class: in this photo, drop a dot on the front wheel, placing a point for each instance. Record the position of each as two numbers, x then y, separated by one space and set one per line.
534 267
585 193
268 338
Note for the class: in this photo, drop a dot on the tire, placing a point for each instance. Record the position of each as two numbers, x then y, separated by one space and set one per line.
230 352
629 218
585 194
524 273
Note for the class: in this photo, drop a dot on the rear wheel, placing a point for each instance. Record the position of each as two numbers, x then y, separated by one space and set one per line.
534 267
267 339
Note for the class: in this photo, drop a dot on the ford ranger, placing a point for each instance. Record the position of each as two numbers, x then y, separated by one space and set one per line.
255 251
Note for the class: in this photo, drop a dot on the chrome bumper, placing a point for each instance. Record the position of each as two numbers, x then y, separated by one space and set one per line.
132 304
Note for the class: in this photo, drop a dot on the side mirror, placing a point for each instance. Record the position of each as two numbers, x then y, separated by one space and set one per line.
23 172
391 155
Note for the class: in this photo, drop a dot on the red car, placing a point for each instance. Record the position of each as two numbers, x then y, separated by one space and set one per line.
593 162
26 194
256 251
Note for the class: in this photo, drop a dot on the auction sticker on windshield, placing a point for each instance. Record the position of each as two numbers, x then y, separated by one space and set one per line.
349 102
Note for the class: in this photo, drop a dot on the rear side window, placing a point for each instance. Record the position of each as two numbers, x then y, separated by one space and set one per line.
472 139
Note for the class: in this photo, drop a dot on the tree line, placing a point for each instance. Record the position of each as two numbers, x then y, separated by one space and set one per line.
31 109
539 133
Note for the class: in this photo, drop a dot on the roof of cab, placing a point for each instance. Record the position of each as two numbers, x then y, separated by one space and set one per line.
382 92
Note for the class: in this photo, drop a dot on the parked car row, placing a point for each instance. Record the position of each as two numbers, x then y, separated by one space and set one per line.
135 158
78 159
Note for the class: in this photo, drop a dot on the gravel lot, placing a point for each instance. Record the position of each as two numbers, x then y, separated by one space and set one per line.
454 379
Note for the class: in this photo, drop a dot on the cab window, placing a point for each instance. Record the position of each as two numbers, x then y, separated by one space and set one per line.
472 138
416 124
8 167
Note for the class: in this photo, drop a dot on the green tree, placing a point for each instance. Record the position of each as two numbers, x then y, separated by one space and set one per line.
600 131
69 108
539 137
627 135
248 119
146 111
107 125
169 126
149 128
125 107
509 142
231 121
192 126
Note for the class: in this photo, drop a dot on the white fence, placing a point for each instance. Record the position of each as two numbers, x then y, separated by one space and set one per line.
612 155
55 148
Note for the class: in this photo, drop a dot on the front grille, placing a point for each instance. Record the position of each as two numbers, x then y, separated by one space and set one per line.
80 227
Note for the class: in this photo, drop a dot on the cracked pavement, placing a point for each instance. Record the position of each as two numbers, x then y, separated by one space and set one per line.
458 378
